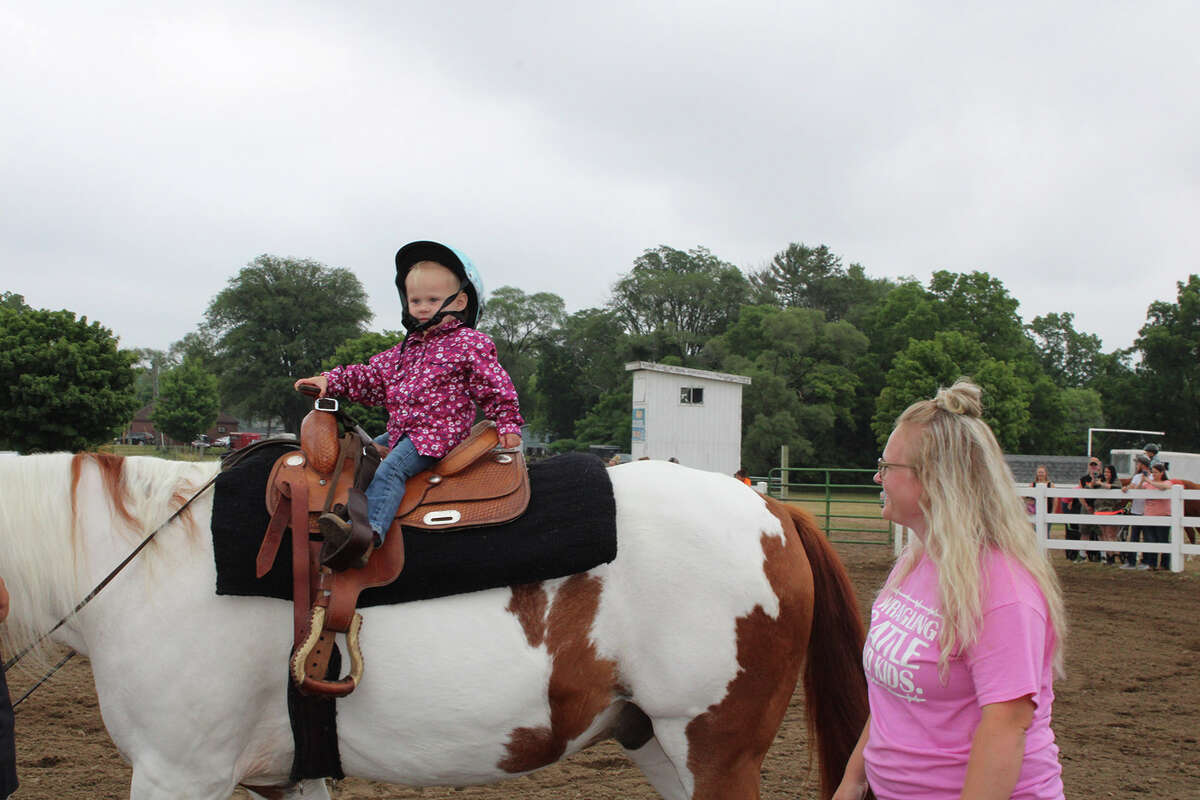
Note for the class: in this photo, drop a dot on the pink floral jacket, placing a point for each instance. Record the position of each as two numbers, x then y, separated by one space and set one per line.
431 387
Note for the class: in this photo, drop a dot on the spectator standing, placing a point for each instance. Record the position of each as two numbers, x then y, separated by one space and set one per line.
1072 505
1158 534
1109 505
1041 475
1151 451
1141 473
1091 532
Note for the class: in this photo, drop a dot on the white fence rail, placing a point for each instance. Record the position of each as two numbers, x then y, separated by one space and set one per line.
1176 546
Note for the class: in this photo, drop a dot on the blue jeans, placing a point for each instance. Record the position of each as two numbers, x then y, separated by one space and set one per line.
1157 534
386 491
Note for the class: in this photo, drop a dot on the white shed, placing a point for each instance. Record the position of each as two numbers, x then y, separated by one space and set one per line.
692 415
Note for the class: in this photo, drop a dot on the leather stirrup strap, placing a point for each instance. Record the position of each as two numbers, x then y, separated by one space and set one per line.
301 553
346 451
269 549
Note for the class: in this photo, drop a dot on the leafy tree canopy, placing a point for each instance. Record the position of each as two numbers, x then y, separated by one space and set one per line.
188 402
801 370
924 366
577 363
64 383
1069 357
686 296
519 324
808 277
275 322
372 419
1170 347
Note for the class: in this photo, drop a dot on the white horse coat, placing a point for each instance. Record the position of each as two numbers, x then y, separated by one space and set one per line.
686 647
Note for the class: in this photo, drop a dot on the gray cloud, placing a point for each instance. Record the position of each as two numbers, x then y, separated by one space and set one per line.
154 152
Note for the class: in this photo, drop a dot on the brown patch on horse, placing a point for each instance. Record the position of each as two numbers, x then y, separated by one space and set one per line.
111 470
528 605
727 743
581 683
1191 508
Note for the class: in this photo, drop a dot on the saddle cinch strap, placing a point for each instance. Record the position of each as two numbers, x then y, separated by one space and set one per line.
470 486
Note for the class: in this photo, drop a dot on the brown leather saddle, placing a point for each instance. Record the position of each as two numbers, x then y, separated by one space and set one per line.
473 485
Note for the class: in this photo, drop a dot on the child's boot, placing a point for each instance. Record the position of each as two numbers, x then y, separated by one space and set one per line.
348 544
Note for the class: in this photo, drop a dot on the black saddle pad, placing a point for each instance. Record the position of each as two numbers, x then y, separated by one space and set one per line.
570 527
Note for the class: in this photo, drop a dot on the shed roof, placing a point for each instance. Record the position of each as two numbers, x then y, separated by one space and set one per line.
687 371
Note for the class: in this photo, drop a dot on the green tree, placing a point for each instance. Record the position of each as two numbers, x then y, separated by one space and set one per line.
808 277
578 362
609 421
686 297
1170 347
519 324
188 402
13 301
148 370
801 369
372 419
64 383
924 366
1069 357
275 322
979 304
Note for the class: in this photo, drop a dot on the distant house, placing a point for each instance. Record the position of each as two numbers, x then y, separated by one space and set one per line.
692 415
142 425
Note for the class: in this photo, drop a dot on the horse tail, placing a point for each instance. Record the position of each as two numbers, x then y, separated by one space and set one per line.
835 689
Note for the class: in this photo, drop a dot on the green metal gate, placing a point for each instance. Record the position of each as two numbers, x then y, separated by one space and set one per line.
844 501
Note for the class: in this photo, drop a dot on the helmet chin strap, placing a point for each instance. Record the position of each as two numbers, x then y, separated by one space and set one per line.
412 325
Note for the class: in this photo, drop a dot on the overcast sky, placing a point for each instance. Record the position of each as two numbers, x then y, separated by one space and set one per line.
148 151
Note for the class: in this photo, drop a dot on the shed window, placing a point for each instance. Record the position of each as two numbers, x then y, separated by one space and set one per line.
691 396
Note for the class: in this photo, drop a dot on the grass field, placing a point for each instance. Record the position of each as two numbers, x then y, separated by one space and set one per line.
177 453
846 515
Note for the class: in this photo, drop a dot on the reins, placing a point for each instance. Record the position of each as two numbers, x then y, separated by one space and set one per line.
99 587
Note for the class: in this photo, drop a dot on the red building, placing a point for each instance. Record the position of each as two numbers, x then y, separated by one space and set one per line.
141 429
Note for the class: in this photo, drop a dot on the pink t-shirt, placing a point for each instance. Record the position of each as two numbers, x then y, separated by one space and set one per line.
1160 508
921 728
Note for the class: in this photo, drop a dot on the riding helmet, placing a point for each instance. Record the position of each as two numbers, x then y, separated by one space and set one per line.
451 259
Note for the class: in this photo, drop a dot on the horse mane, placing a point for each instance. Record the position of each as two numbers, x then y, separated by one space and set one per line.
48 501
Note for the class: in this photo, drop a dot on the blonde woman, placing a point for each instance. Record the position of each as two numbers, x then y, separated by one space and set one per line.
966 634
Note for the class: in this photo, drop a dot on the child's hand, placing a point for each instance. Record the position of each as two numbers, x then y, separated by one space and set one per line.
319 381
510 441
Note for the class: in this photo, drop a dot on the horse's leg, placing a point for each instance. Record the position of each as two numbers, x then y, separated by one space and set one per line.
635 733
305 790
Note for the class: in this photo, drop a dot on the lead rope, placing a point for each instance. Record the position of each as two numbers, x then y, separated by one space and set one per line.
99 587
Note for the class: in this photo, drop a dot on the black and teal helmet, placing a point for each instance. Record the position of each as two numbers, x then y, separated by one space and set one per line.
451 259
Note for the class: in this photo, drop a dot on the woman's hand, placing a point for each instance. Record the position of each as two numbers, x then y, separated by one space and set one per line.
850 791
510 441
319 381
854 780
3 601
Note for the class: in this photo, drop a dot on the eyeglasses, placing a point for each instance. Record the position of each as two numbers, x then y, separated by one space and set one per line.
883 466
1094 464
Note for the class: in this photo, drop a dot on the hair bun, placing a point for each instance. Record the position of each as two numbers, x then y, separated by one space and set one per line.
964 397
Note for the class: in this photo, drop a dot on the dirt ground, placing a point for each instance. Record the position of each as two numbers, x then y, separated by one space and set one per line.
1126 717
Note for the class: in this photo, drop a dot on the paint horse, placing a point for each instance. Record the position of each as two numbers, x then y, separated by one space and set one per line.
686 648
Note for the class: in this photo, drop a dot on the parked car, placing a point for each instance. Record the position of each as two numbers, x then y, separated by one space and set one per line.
139 437
221 441
201 441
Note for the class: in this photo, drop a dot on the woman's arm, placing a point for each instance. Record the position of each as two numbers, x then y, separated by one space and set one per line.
997 750
854 779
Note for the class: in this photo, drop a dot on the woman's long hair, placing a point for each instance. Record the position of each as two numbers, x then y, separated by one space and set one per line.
970 505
